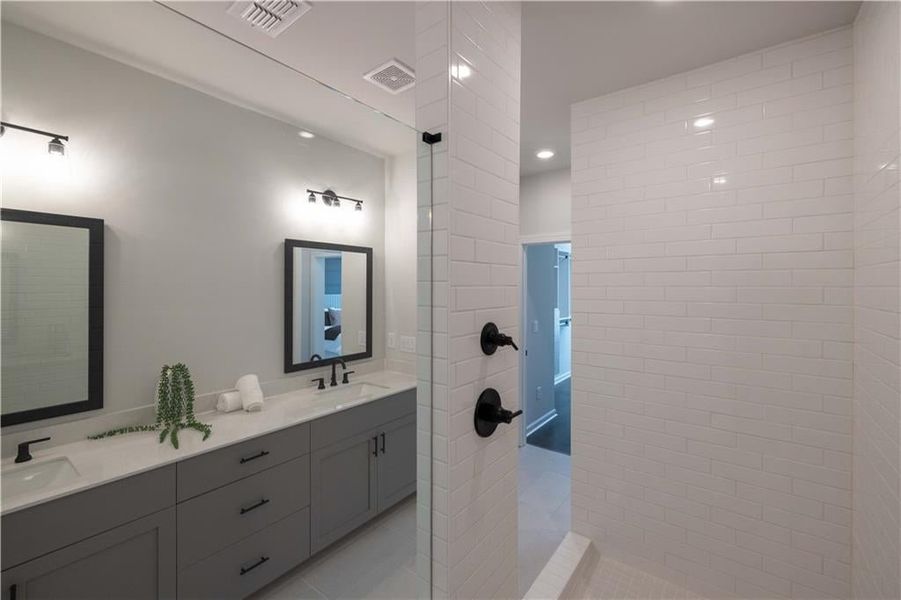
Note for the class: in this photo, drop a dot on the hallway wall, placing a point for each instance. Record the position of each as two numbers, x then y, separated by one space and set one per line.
713 272
877 333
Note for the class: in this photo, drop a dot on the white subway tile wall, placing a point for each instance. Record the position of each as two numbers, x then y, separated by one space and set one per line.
713 323
468 85
877 333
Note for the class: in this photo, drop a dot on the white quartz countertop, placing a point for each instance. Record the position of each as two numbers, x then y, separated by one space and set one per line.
102 461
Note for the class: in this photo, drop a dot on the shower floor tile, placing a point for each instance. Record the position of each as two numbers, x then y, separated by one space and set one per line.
613 580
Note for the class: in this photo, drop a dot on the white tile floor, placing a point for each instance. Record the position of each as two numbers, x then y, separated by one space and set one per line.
544 509
378 560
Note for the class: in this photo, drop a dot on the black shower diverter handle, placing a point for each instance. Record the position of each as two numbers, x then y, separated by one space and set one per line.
492 338
489 412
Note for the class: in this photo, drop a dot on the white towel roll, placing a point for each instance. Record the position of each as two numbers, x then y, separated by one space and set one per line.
229 401
251 393
248 383
252 402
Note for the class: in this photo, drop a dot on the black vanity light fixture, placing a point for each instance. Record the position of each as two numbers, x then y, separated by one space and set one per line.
330 198
55 147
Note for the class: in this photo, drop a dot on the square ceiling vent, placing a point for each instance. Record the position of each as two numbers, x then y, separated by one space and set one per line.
393 76
272 17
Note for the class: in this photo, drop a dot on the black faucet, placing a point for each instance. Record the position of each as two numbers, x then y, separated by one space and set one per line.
23 454
315 357
334 380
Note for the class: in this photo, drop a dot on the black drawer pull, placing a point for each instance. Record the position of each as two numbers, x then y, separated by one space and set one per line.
255 456
13 591
383 442
254 565
257 505
375 445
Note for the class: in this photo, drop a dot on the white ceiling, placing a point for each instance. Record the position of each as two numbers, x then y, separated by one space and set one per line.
574 51
334 42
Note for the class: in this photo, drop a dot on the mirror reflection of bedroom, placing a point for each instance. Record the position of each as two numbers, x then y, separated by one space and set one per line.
332 303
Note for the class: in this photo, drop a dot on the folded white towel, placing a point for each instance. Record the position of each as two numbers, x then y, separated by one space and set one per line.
253 401
248 383
251 393
229 401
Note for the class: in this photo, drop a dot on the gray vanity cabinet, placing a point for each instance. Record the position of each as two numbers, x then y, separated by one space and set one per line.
396 462
135 561
363 461
343 488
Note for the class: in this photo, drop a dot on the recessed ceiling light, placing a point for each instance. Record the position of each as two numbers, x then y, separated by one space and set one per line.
545 154
306 134
461 71
703 122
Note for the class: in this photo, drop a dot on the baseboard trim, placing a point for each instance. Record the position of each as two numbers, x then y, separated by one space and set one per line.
547 418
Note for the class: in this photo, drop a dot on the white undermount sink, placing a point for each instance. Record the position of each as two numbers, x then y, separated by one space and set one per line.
352 391
28 478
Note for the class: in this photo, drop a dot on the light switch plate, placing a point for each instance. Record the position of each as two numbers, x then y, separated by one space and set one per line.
361 339
392 339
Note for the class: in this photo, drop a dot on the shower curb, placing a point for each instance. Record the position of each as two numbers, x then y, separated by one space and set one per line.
566 573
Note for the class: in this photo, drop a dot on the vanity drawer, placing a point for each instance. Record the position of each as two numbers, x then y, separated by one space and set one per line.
245 567
345 424
209 523
217 468
35 531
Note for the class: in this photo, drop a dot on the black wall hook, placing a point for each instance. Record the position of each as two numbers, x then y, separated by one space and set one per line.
489 412
492 338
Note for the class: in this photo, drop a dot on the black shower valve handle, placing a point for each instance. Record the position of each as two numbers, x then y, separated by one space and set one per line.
492 338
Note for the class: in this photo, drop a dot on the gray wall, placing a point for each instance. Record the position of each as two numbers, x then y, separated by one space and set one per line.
197 195
545 206
541 291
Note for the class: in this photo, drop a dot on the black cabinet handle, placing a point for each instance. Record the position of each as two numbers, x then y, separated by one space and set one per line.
383 442
13 591
375 445
254 457
262 502
245 570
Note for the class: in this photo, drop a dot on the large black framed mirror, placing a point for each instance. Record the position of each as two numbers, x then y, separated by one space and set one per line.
52 315
328 303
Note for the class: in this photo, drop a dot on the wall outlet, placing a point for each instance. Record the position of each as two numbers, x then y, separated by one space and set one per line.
408 344
535 326
538 392
361 339
392 339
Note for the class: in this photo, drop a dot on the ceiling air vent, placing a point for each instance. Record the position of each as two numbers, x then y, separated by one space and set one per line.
393 76
272 17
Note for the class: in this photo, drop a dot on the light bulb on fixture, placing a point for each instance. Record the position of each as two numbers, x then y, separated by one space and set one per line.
306 134
544 154
311 198
56 148
358 207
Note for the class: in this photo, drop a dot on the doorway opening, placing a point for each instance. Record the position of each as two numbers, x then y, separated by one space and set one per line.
548 346
545 439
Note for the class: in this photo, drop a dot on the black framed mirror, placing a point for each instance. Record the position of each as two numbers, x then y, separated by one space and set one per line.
52 315
328 303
